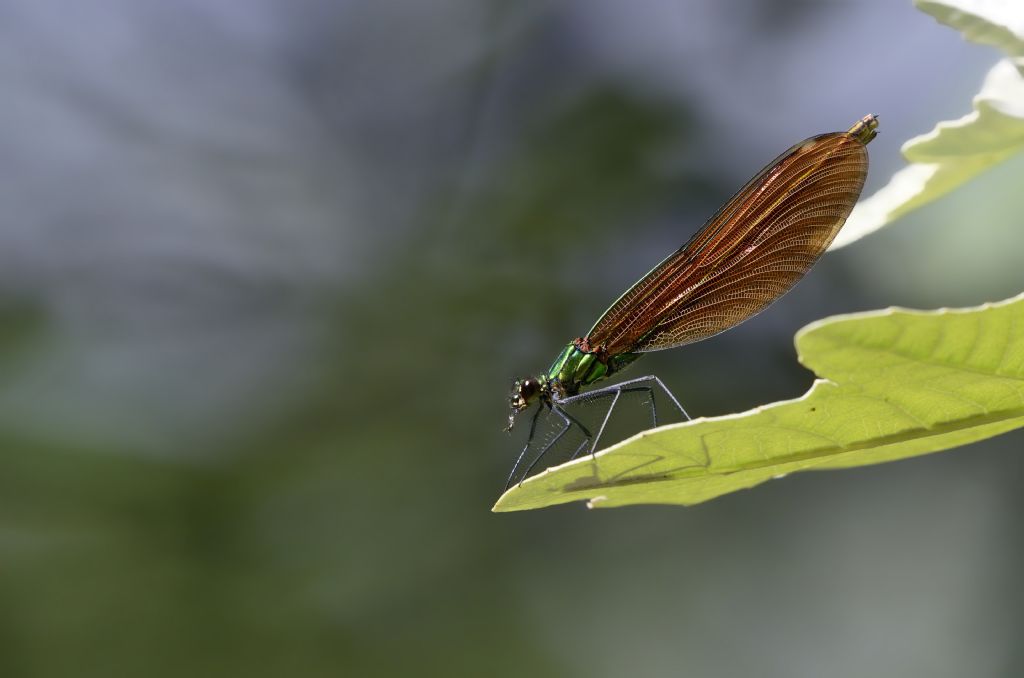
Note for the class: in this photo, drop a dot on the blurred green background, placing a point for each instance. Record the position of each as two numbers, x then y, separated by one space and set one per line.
269 269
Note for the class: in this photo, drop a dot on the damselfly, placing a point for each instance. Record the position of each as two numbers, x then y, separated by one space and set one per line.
750 253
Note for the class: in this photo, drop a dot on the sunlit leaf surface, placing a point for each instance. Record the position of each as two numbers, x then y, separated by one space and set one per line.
987 22
893 384
956 151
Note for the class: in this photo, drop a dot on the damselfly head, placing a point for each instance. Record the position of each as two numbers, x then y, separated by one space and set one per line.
524 392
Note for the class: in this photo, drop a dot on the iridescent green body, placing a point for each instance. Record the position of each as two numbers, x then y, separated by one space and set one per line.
578 365
574 367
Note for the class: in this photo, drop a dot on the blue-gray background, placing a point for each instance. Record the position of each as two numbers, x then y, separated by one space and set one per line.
267 270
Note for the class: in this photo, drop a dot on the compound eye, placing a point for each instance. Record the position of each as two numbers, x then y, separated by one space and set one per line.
529 388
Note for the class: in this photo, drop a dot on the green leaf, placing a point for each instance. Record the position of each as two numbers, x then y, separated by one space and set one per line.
894 384
998 24
956 151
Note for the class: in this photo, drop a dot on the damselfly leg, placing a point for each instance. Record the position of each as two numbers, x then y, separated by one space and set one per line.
567 420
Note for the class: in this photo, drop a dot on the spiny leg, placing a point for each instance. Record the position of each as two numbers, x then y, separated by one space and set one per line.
614 392
579 448
607 416
529 440
591 396
661 385
568 420
587 436
603 392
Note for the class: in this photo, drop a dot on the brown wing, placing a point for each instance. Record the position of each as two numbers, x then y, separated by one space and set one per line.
746 256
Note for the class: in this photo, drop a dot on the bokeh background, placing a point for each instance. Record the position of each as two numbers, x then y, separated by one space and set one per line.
268 269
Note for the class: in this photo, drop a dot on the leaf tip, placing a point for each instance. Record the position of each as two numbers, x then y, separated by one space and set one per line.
501 506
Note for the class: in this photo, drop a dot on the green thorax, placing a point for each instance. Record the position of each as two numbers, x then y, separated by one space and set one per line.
575 367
